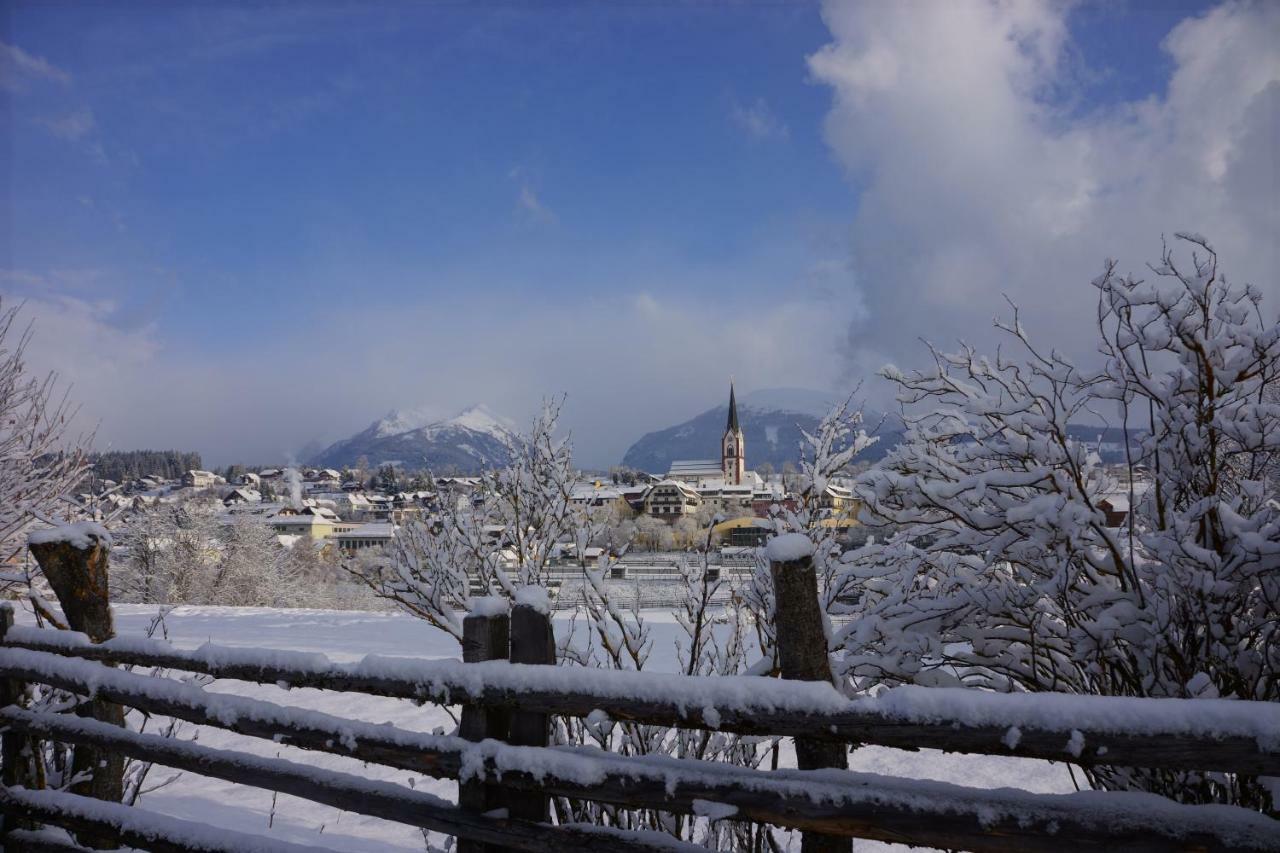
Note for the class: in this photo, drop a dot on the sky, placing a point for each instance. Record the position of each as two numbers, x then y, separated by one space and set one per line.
244 228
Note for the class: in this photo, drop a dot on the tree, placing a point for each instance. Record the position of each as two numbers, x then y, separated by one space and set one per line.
190 553
388 479
1004 573
503 539
40 461
520 518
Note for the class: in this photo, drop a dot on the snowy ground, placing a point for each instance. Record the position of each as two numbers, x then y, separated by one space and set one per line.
350 635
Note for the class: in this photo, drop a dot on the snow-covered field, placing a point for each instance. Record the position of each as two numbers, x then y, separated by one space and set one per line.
350 635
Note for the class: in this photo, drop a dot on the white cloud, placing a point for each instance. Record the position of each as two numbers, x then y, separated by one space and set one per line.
19 68
628 364
72 126
758 121
534 208
975 184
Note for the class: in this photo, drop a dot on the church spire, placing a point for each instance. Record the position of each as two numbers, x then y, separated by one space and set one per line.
733 447
732 426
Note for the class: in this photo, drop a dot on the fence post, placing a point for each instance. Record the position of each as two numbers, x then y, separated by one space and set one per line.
12 743
532 642
485 636
803 654
76 567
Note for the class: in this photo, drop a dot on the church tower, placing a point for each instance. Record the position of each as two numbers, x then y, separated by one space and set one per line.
733 447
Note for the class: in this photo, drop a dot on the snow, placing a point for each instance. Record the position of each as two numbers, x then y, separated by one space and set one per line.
1059 711
347 637
489 605
588 767
195 836
481 419
81 535
404 420
788 547
712 810
534 596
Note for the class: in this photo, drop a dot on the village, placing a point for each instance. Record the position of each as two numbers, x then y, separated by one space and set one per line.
648 526
650 522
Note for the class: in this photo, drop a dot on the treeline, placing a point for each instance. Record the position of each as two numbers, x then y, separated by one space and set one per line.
120 465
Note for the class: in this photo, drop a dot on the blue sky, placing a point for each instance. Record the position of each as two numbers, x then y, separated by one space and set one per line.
306 214
392 155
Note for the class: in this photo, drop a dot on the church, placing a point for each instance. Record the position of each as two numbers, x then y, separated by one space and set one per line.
729 478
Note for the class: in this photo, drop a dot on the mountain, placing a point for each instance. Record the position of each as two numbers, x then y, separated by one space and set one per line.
464 444
771 421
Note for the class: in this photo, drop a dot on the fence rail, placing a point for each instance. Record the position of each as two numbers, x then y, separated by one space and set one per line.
506 772
1220 735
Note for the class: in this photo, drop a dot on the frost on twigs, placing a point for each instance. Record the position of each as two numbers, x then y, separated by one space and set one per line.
998 565
506 535
39 461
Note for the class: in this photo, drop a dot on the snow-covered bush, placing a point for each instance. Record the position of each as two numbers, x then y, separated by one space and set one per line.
1004 572
826 457
192 553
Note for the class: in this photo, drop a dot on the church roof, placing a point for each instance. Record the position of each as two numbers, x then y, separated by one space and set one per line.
732 426
683 469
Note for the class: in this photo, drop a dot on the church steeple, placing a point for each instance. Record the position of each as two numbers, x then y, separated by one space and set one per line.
733 447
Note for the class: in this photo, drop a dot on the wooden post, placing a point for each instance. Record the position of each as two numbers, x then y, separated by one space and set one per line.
802 656
484 637
532 642
76 568
13 744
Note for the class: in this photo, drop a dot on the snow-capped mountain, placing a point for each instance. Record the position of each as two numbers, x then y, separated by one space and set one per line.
417 438
771 419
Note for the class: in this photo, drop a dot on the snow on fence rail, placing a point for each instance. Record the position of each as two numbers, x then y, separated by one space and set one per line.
832 802
1204 734
506 770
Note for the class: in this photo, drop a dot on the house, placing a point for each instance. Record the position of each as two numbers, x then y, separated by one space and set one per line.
671 499
364 536
316 522
242 496
746 532
594 493
352 505
322 479
248 478
1115 508
838 499
201 479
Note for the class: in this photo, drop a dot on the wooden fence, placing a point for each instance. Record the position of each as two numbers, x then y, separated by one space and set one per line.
507 772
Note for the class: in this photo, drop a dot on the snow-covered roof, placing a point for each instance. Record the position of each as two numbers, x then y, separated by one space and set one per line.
372 530
678 484
686 468
592 491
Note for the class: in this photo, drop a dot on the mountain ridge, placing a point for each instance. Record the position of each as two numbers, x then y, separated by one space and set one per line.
466 443
772 420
